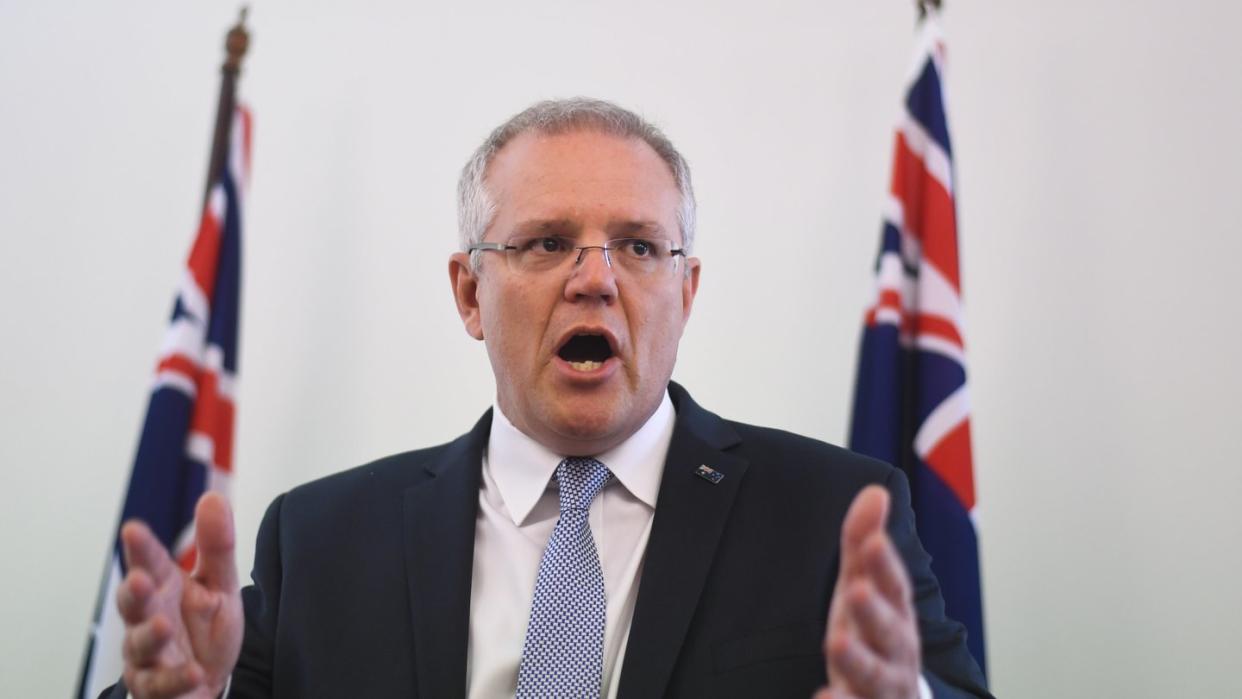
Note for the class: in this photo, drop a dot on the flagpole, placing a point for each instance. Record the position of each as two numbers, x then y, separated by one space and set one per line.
236 42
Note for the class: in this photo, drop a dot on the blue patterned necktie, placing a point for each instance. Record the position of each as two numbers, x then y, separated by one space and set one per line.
564 651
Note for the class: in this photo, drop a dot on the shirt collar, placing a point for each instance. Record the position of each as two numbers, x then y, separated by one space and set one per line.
522 468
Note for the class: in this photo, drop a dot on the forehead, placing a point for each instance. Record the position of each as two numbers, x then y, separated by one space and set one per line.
591 178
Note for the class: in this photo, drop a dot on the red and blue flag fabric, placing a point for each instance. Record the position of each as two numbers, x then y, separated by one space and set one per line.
186 446
911 406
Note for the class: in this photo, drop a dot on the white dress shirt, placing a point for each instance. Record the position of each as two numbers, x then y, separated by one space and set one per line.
518 508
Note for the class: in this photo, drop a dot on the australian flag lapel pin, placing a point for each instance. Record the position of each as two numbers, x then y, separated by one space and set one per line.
709 474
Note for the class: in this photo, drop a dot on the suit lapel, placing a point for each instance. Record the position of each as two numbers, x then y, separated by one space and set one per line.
691 512
439 558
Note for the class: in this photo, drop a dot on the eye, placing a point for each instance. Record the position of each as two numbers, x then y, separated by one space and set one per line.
543 245
639 248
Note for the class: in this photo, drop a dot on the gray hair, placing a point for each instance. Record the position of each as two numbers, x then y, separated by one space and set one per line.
475 207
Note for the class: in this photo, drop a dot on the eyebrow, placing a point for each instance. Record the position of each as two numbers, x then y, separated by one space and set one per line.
572 229
629 229
554 226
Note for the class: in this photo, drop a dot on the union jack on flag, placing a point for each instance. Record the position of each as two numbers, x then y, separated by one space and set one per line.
910 404
186 447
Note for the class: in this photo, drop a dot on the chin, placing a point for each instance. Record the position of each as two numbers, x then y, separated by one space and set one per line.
585 425
587 422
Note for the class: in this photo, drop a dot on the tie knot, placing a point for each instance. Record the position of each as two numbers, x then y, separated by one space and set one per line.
580 480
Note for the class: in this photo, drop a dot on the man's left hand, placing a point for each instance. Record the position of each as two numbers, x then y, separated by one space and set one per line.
872 644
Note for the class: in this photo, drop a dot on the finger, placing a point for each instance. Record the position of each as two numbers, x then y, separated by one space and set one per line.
856 666
889 634
164 683
144 642
887 572
866 516
144 551
840 621
213 533
134 595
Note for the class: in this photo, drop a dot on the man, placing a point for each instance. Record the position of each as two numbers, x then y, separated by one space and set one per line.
597 533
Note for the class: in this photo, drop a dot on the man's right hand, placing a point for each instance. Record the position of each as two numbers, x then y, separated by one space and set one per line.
183 632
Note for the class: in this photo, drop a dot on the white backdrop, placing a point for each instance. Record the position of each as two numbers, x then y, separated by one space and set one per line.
1098 160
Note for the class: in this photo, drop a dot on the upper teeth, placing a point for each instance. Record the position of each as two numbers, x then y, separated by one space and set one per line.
586 366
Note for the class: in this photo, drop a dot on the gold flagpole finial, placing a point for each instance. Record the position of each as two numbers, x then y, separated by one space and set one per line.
924 4
236 43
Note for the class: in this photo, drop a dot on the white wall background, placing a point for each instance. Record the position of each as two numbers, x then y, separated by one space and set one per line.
1098 155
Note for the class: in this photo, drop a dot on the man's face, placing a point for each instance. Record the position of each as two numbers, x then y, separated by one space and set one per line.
591 188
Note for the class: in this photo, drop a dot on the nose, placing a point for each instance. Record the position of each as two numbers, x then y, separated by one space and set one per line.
592 276
584 249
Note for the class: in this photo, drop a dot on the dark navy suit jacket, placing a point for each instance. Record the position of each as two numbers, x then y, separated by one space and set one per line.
362 579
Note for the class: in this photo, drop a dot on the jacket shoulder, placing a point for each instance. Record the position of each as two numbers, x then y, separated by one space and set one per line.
391 474
774 453
805 459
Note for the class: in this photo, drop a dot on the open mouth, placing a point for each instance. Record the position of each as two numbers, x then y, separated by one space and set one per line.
585 351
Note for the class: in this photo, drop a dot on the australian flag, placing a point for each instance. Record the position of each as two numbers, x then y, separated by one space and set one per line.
186 447
911 407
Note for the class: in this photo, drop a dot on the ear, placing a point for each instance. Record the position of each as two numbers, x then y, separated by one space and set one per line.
689 286
465 283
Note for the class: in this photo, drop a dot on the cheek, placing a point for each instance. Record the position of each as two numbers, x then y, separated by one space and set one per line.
660 326
513 318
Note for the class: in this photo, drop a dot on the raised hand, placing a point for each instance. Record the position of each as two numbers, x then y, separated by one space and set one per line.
182 632
872 644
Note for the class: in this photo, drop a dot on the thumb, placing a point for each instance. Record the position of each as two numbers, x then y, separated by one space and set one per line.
214 537
866 517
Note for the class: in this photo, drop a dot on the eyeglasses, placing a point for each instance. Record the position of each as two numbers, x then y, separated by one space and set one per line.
639 257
